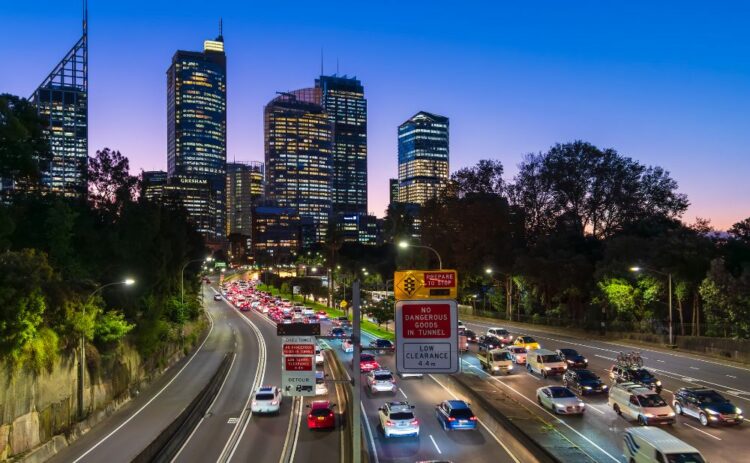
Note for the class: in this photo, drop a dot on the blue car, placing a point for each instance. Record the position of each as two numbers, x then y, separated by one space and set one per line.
455 414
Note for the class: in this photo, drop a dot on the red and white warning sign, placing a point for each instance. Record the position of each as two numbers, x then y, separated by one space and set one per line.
298 365
427 336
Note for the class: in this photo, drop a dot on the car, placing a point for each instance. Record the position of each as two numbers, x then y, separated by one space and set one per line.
527 342
321 415
471 336
560 400
629 374
337 332
545 362
383 345
651 444
397 419
320 383
367 363
217 297
267 399
322 315
517 354
573 358
584 382
347 346
485 343
381 381
707 405
501 334
318 356
338 321
455 414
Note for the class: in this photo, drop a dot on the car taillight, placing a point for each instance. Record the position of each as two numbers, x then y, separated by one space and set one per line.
330 415
415 421
389 423
275 402
473 418
255 402
450 418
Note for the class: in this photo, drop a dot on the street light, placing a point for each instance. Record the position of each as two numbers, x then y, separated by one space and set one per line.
182 276
405 244
669 286
82 361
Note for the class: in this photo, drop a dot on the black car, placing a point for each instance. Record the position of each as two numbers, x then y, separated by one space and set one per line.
487 343
584 382
337 332
573 358
707 405
627 374
383 345
471 336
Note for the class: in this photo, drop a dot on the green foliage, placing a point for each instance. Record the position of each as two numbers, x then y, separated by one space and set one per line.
631 301
39 352
111 327
727 300
382 311
24 148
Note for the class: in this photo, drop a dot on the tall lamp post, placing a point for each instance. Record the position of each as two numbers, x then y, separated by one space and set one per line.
405 244
508 291
669 298
182 276
82 359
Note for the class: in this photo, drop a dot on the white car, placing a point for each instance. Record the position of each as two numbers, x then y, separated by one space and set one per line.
560 400
267 399
318 356
320 383
518 354
397 419
381 381
347 346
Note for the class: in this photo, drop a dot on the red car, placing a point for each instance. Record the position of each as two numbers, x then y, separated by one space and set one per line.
321 415
367 363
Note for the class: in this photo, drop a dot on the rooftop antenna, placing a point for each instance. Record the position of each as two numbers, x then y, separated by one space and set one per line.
221 27
85 16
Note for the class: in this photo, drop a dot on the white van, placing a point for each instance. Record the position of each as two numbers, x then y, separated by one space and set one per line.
636 402
648 444
545 362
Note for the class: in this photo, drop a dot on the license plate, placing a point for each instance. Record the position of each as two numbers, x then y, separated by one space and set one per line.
401 425
321 418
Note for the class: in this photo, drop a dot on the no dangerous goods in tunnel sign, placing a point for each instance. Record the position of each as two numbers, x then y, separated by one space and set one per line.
427 336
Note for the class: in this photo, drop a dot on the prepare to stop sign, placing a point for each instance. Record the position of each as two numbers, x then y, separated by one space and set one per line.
430 320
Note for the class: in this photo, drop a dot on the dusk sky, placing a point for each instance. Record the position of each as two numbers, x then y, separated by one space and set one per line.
667 83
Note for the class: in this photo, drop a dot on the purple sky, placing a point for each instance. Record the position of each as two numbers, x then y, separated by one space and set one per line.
666 84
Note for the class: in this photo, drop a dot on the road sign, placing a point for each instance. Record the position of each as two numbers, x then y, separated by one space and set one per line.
298 329
425 284
298 365
427 336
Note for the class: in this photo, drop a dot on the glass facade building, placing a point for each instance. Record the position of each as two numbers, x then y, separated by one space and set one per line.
196 135
276 234
422 157
153 183
62 103
244 187
392 190
298 152
358 228
343 98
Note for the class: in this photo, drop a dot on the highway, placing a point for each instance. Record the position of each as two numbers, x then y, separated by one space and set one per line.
599 432
433 442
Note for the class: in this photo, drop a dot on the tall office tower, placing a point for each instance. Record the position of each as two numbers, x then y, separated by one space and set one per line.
197 135
422 157
298 143
153 183
393 190
244 186
343 98
62 103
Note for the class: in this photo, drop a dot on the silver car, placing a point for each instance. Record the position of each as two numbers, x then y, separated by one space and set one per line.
381 381
397 419
560 400
267 399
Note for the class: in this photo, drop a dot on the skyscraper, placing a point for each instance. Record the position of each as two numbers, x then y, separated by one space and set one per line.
298 145
343 98
393 190
62 103
153 183
244 186
197 133
422 157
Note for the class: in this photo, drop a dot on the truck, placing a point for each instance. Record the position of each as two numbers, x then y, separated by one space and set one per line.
495 361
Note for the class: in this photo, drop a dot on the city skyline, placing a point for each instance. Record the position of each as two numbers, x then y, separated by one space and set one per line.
650 97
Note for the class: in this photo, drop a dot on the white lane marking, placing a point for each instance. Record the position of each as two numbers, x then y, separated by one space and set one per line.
596 409
211 319
336 387
732 376
232 420
497 439
660 361
229 421
296 431
704 432
288 429
366 420
435 444
403 393
607 358
694 368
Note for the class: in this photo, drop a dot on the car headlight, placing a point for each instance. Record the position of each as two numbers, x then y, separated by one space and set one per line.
570 361
712 412
510 367
587 387
495 368
585 360
671 414
648 415
547 368
738 411
604 386
658 383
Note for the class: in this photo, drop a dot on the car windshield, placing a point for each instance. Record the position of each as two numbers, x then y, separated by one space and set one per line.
527 339
383 377
684 458
462 414
501 332
519 350
642 374
469 334
561 392
383 343
587 375
550 358
264 396
320 412
367 357
711 397
652 400
499 356
402 416
569 352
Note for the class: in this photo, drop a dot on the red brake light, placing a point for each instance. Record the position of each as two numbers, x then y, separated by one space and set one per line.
450 418
389 423
330 415
473 418
415 421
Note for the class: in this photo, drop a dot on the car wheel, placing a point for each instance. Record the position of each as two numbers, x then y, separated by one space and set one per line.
616 408
703 419
544 373
642 420
678 408
528 368
539 399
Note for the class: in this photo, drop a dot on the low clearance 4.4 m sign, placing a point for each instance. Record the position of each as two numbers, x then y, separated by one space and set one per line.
427 336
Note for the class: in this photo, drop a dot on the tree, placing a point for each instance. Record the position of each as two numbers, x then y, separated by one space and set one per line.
382 311
110 182
485 178
24 147
741 230
727 300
